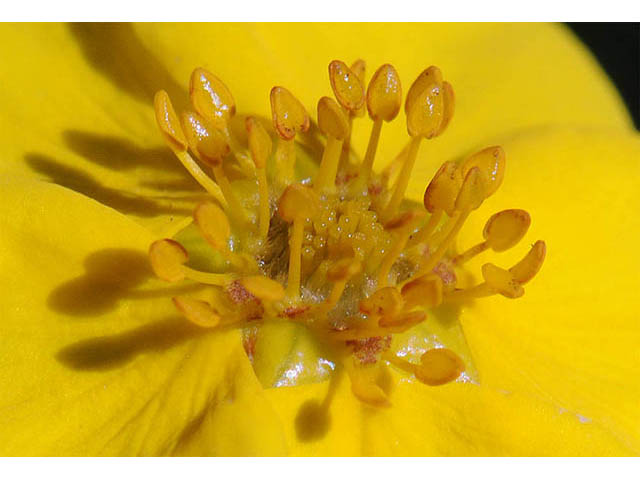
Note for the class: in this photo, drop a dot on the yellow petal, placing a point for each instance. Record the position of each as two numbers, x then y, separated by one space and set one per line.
573 338
456 419
95 359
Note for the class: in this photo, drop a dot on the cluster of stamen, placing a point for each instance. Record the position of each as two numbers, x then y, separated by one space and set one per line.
341 253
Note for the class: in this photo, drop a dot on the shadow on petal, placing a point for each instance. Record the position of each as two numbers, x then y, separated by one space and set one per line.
113 351
121 154
115 50
312 421
81 182
110 275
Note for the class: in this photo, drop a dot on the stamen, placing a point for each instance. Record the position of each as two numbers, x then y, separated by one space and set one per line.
334 124
175 138
167 261
385 302
440 196
260 146
340 273
359 70
384 99
530 265
492 162
215 229
263 288
438 366
426 114
501 232
167 258
210 146
289 118
296 204
364 384
197 311
471 196
425 291
212 99
502 281
505 282
348 88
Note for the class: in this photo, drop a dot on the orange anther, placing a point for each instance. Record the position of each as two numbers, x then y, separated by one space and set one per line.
386 301
197 311
491 161
443 189
298 201
211 98
384 94
289 115
428 76
167 257
263 287
472 192
506 228
260 143
365 388
439 366
449 100
168 122
359 69
346 86
530 265
205 141
332 119
502 281
213 224
425 291
425 114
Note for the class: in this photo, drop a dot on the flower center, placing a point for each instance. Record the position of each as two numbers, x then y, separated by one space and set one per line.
341 253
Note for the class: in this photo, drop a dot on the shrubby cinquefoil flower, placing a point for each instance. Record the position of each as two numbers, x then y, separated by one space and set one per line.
318 265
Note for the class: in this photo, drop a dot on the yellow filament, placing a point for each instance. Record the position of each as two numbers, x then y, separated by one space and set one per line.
235 209
403 179
202 178
238 151
444 245
285 161
263 214
326 178
362 182
336 293
469 254
295 251
425 232
396 249
465 294
219 279
175 228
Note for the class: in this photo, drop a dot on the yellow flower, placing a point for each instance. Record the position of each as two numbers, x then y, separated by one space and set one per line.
95 359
